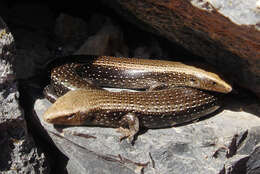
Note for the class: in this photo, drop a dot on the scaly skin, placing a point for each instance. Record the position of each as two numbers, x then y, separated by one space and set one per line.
178 102
134 73
155 109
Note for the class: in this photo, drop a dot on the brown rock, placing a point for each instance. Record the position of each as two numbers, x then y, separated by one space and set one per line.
226 33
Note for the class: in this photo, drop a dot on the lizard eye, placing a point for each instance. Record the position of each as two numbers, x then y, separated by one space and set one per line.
192 80
214 83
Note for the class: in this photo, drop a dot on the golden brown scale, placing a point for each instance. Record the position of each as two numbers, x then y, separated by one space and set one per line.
88 105
153 108
66 77
149 74
63 79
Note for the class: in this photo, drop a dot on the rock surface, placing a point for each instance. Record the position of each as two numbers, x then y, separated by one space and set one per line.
18 151
225 33
36 46
225 143
108 41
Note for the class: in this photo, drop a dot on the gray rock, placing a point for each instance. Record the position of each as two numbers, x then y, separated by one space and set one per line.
96 22
236 165
97 36
29 23
31 52
226 142
18 151
108 41
253 163
154 50
70 29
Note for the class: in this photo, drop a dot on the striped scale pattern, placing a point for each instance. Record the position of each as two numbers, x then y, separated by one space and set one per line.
65 78
130 73
91 105
135 73
154 109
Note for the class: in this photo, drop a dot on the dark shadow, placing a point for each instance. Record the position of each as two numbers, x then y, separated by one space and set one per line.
6 149
29 93
242 100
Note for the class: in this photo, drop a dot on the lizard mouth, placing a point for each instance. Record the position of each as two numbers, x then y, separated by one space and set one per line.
64 120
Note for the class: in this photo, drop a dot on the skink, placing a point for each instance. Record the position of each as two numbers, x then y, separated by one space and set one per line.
134 73
178 102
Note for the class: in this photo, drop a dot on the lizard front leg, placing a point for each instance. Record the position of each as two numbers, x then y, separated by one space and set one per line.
132 122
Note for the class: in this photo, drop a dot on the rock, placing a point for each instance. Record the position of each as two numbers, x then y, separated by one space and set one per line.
236 165
226 142
153 50
19 153
30 37
96 22
225 33
97 36
70 32
253 163
108 41
30 60
70 29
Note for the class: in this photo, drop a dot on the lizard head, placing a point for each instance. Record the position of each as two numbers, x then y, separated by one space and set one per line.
205 77
68 109
209 81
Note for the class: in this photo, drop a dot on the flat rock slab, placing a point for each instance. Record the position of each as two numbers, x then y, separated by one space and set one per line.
221 143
